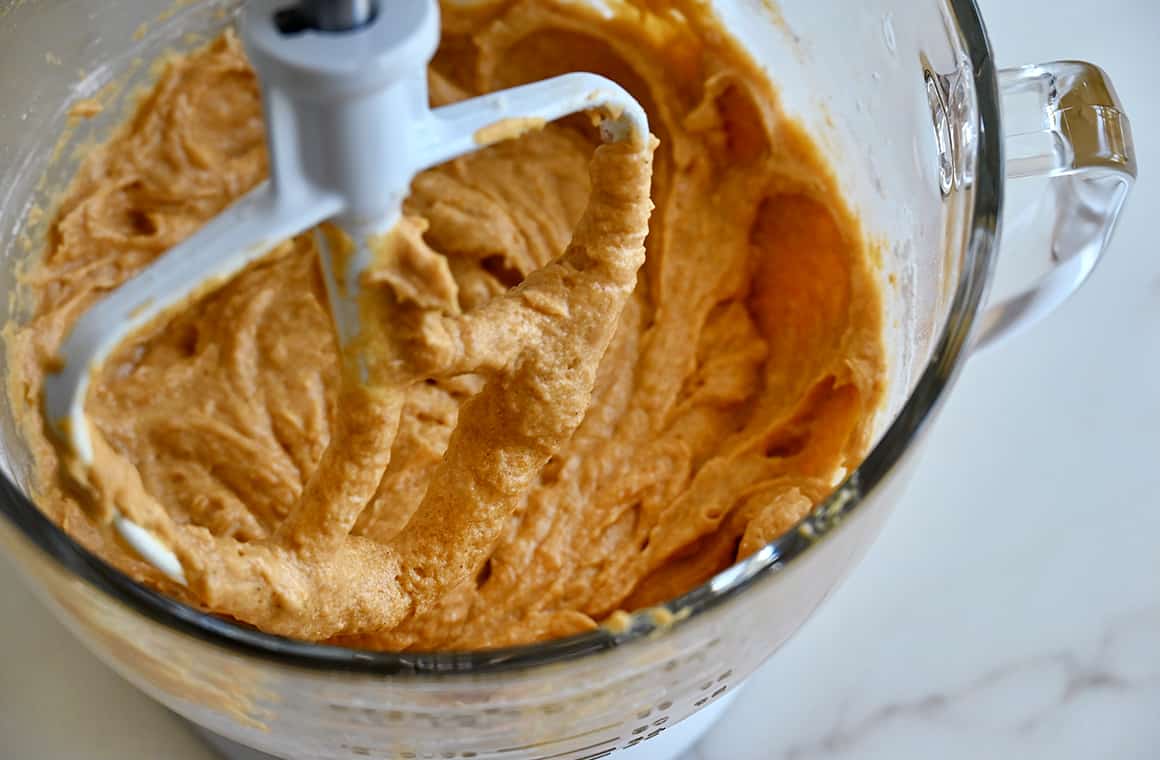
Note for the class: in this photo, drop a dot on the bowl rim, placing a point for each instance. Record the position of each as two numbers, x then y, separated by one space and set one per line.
938 376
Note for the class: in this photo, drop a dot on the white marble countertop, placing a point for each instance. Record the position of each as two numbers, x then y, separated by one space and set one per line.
1046 454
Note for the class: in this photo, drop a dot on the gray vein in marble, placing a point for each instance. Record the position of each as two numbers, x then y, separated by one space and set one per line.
1078 677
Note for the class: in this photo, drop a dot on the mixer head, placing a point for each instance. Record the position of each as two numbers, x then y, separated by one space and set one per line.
348 125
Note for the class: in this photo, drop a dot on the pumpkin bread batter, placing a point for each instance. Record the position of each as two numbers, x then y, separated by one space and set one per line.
571 437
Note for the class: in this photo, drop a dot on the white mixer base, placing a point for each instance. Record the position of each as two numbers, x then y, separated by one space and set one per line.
667 746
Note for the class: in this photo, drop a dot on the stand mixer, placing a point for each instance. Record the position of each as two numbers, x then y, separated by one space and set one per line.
886 108
348 127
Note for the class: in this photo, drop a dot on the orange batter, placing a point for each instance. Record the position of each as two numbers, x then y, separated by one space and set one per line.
735 390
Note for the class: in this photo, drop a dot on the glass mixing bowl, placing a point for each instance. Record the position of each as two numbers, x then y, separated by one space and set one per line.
926 135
